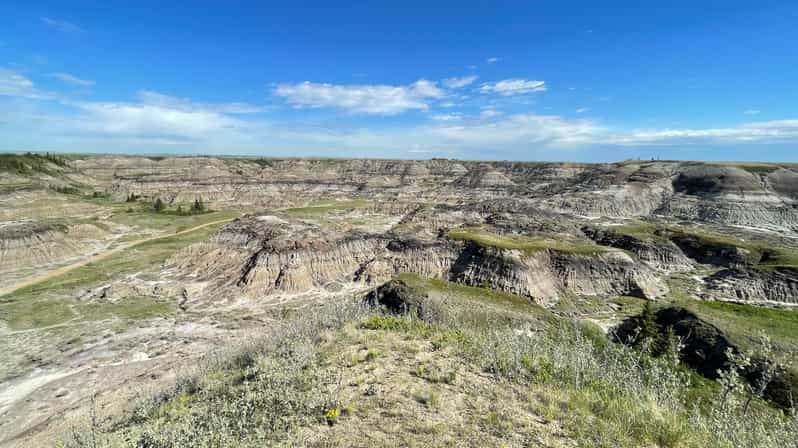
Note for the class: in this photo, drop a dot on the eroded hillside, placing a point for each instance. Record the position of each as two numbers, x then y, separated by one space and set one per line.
104 292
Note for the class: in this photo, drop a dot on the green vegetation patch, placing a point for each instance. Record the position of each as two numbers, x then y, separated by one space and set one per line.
325 208
522 243
139 258
743 323
144 216
470 292
30 163
27 314
778 257
130 308
758 168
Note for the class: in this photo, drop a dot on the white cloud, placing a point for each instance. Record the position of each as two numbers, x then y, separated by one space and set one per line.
145 121
152 98
761 132
521 130
582 110
510 87
752 112
492 60
14 84
488 113
159 120
72 79
365 99
457 83
61 25
448 117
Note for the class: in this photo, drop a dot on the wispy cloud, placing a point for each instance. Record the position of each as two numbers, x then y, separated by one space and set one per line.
457 83
488 113
14 84
582 110
72 79
752 112
520 130
363 98
510 87
61 25
455 116
152 98
760 132
492 60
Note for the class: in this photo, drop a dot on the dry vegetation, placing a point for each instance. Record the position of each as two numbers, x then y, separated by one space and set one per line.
318 378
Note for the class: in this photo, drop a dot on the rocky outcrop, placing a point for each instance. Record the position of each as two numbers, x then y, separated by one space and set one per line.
658 253
705 350
733 195
37 243
777 285
398 297
275 256
707 251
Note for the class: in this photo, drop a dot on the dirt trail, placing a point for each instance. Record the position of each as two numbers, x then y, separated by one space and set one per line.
32 280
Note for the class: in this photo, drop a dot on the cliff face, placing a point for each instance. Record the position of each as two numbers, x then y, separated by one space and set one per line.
267 255
38 244
754 285
659 254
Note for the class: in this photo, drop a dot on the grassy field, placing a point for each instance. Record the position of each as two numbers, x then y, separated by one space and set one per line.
324 208
30 163
142 216
486 296
522 243
43 304
744 323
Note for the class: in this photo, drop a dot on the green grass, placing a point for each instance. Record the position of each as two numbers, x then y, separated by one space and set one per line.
779 257
40 305
477 307
30 163
589 306
143 216
758 168
325 208
142 257
743 323
469 292
42 313
522 243
28 314
129 308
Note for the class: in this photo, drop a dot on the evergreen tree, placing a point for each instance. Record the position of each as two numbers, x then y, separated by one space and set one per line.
648 326
159 205
198 206
668 346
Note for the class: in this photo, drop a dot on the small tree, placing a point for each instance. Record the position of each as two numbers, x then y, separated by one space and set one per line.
158 205
669 346
180 210
648 326
198 206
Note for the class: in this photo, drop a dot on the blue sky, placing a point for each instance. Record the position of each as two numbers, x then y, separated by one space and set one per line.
528 80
